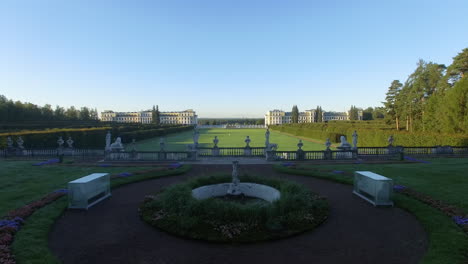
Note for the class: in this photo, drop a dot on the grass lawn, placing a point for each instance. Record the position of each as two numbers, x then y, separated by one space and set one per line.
227 138
442 179
23 183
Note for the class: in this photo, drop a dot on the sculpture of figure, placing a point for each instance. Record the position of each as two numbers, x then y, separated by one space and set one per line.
300 144
20 143
196 135
60 142
117 145
215 141
344 144
9 142
328 144
108 140
247 142
70 142
234 187
162 144
390 140
267 137
355 139
133 145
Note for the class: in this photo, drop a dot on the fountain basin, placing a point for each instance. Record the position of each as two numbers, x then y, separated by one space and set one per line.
249 189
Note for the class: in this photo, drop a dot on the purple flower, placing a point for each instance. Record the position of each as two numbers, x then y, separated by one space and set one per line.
175 165
104 165
460 220
124 174
11 223
337 171
416 160
287 164
64 191
399 187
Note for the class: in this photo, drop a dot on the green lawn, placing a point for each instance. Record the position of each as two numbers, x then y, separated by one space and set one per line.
442 179
227 138
23 183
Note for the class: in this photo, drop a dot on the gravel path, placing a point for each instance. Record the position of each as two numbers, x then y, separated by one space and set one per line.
356 232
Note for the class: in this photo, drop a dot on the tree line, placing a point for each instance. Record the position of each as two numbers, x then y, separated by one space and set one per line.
17 111
433 98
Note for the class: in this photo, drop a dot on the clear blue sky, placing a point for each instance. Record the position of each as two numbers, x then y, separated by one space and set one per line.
222 58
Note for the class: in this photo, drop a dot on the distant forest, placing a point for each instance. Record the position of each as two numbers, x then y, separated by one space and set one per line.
18 112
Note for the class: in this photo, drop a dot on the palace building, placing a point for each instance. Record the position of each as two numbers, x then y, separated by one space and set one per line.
187 117
278 117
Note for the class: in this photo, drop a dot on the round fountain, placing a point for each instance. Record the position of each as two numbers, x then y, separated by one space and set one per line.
237 189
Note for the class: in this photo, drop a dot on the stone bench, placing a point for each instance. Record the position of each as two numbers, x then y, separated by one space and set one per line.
373 188
89 190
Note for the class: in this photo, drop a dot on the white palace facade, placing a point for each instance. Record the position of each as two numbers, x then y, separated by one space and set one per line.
187 117
278 117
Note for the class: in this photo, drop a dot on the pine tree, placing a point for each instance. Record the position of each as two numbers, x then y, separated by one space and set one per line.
295 115
390 102
157 117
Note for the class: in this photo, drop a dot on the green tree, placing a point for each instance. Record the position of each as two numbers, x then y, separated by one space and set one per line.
390 102
367 113
295 114
318 114
459 67
353 113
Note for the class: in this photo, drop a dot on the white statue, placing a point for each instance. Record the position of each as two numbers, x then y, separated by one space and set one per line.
234 187
108 140
70 142
344 144
20 143
196 135
267 138
328 144
355 139
60 142
117 145
162 144
215 142
390 140
9 142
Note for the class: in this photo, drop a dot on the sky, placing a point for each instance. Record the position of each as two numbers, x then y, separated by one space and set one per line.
222 58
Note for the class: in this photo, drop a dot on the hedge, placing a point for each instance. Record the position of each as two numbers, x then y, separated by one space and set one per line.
87 137
371 135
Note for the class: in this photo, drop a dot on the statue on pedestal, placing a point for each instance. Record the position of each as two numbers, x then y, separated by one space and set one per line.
196 135
70 142
162 144
108 141
215 142
9 143
328 144
267 138
117 145
300 144
355 139
20 143
247 142
344 144
390 141
60 142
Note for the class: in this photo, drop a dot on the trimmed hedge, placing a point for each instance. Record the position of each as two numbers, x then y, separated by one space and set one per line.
88 137
370 135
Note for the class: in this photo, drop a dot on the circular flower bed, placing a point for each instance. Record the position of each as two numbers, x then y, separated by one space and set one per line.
176 211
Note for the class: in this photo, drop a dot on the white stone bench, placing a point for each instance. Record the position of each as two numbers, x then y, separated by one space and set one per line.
373 188
89 190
